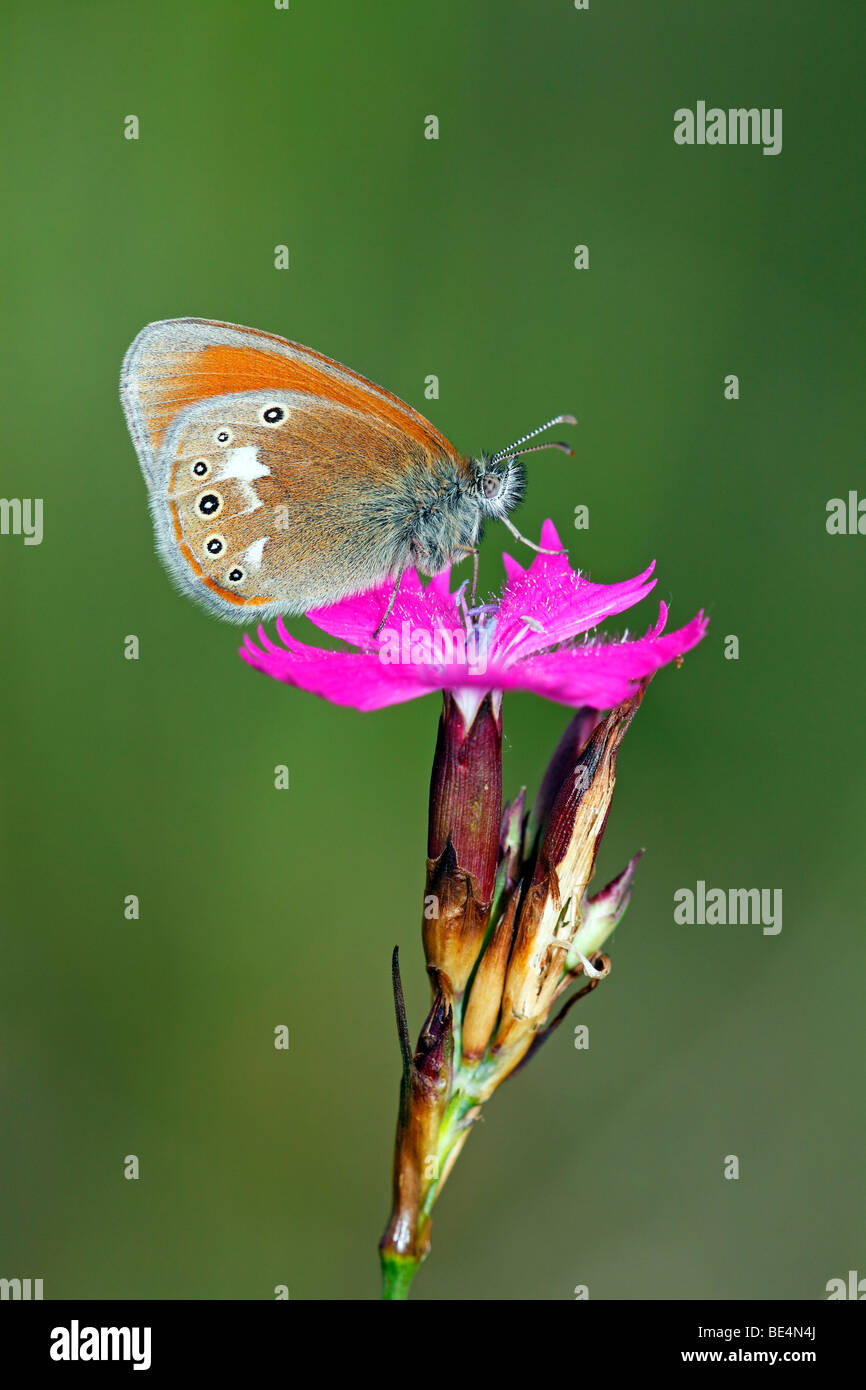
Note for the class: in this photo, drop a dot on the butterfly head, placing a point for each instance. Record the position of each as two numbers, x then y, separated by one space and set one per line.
499 485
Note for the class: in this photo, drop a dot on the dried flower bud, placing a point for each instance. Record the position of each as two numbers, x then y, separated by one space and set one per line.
560 768
550 913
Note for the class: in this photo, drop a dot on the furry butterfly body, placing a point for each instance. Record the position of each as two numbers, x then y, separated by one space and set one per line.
281 481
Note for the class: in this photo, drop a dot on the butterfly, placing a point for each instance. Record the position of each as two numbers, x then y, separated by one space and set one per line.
281 481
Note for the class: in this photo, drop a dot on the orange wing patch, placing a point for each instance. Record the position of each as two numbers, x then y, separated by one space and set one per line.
172 379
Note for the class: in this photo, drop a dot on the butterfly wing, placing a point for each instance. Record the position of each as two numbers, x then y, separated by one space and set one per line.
279 479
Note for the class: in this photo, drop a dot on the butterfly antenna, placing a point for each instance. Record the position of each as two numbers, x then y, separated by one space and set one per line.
513 449
536 448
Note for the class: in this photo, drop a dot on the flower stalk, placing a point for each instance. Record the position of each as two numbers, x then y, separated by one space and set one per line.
508 930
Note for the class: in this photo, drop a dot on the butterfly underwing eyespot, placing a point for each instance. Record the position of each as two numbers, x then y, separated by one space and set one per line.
215 545
223 437
209 503
235 576
200 468
273 415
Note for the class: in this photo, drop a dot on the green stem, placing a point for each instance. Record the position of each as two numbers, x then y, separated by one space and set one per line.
398 1271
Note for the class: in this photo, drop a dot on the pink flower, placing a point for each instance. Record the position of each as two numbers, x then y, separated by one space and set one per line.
539 636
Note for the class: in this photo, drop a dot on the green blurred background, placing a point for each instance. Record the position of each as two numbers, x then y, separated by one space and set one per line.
155 777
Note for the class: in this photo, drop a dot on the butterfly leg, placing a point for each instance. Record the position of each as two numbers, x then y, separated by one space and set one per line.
532 546
471 550
474 590
392 600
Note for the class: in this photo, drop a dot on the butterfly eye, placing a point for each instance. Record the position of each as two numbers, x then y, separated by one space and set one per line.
201 468
235 576
223 437
215 545
491 484
209 503
273 414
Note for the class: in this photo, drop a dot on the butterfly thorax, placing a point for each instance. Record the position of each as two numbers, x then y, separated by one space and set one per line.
446 507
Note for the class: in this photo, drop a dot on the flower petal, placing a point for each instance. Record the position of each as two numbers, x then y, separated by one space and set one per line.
356 679
366 680
602 674
355 619
559 602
